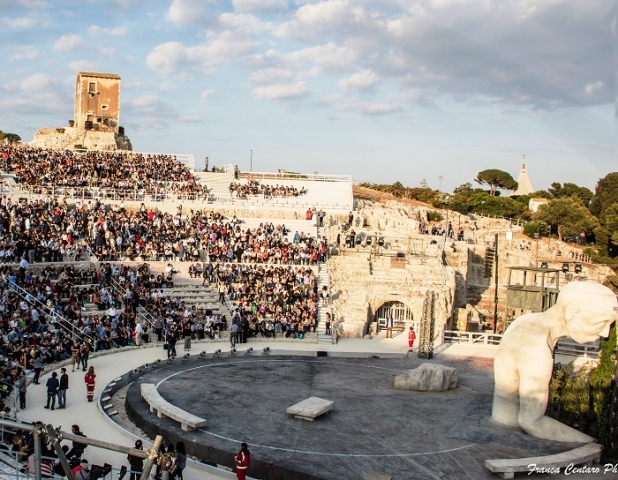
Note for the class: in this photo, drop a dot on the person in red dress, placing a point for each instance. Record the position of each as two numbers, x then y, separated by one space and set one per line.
243 461
411 338
89 379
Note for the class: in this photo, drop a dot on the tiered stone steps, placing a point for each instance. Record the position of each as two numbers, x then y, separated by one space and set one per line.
201 297
218 183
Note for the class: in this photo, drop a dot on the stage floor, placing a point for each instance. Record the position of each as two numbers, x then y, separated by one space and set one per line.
372 428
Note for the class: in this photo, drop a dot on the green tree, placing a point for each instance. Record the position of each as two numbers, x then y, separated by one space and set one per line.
568 215
600 380
568 190
12 137
496 179
605 194
531 228
464 189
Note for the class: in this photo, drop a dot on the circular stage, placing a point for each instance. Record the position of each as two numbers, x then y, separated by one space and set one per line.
372 428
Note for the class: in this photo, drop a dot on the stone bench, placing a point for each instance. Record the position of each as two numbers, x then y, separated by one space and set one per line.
158 404
507 468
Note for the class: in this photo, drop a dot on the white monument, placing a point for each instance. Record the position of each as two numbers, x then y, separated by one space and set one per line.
524 362
524 185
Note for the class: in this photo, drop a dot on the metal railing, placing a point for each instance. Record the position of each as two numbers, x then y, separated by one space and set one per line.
54 318
283 175
12 466
142 312
86 193
478 338
563 347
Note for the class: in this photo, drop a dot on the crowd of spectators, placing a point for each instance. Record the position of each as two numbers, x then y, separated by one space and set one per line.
113 174
46 231
254 187
267 299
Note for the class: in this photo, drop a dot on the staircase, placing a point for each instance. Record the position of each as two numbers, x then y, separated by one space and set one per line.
323 280
218 183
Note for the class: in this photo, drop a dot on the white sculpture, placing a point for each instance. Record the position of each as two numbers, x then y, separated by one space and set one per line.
524 362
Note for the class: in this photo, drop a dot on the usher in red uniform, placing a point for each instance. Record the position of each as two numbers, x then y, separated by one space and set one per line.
243 461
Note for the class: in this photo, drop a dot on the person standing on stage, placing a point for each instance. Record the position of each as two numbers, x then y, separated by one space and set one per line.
411 338
89 379
62 389
243 462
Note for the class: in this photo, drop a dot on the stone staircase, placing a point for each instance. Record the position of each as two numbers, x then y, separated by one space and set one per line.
200 297
323 280
218 183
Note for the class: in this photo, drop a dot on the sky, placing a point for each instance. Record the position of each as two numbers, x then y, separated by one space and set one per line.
382 90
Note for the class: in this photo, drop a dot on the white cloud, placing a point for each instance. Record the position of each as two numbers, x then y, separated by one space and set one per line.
20 23
29 4
208 93
97 30
247 24
173 57
372 108
82 66
359 81
312 19
272 75
260 6
36 82
145 101
68 42
167 58
190 12
281 92
26 52
593 88
325 59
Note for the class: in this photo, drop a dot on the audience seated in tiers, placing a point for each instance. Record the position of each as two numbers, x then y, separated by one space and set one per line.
46 231
283 295
253 187
112 173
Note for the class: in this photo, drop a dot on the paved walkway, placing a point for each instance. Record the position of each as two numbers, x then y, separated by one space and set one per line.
108 367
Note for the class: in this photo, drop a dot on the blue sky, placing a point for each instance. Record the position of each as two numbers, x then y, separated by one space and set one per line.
383 90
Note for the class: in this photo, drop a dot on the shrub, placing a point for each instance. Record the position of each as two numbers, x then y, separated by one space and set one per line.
433 216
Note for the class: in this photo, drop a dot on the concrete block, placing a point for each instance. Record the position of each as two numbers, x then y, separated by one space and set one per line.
311 408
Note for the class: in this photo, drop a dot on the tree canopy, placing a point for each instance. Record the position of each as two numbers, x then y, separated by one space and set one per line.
12 137
496 179
568 215
568 190
605 194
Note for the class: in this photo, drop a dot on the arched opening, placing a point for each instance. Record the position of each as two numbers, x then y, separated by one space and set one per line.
400 312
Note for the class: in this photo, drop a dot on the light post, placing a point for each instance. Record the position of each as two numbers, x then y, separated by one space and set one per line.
440 178
536 255
483 208
251 161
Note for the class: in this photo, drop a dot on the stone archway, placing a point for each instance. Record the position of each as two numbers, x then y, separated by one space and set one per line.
402 314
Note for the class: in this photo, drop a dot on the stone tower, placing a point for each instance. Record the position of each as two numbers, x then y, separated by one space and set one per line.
97 101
